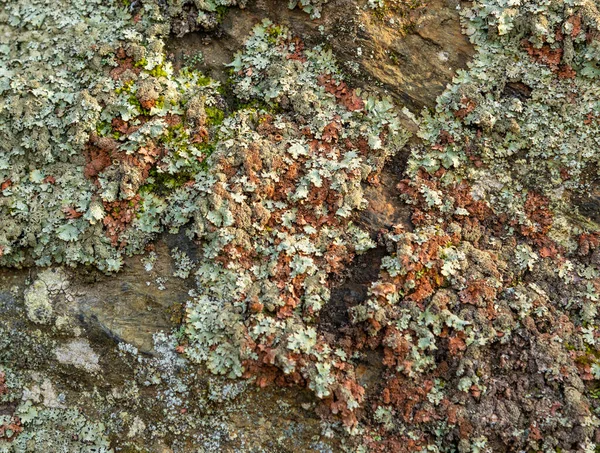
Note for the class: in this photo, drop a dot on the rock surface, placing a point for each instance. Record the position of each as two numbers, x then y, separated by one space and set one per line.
74 358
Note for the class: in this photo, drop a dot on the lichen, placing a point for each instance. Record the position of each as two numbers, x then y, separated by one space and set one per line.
93 141
59 429
312 7
277 219
79 354
483 318
186 16
484 292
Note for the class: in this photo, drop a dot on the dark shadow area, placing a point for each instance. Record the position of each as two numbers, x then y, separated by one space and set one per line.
351 291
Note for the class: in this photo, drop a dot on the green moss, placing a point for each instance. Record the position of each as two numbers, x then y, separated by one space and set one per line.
158 71
221 13
273 33
133 100
204 81
141 63
103 128
259 105
173 133
594 392
126 88
214 116
162 184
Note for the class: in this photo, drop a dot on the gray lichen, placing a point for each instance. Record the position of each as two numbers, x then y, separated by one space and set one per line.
80 162
496 284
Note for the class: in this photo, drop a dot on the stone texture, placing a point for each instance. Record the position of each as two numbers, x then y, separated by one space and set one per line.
413 58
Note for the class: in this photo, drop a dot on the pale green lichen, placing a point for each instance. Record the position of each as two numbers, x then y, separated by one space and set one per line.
60 188
41 295
65 430
37 302
499 260
78 353
260 217
525 111
312 7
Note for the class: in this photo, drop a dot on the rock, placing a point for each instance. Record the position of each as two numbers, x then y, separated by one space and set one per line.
134 304
413 59
78 353
37 302
134 394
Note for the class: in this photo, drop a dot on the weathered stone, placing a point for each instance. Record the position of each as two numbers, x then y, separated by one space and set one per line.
412 58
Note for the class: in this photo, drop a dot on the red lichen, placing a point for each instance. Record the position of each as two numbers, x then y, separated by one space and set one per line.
119 215
11 429
545 55
344 95
468 105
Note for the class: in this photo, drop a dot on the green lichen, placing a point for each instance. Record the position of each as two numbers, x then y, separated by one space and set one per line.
494 286
497 249
63 192
261 227
57 429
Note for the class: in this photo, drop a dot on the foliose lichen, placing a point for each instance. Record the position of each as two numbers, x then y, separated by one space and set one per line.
486 310
96 141
276 220
484 314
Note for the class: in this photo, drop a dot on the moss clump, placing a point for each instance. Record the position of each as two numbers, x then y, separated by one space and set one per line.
214 116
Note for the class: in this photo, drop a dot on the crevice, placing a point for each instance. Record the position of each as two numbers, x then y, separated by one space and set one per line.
351 290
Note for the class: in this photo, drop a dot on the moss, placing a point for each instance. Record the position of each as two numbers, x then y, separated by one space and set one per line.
135 102
259 105
204 81
163 183
221 13
214 116
273 33
125 88
103 128
158 71
141 63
